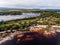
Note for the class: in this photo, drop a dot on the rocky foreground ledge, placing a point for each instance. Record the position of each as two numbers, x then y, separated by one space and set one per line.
54 32
9 37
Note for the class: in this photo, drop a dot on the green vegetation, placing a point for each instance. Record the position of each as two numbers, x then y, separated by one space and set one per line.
17 12
46 18
10 13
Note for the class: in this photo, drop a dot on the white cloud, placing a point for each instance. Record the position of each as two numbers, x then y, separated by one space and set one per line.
28 3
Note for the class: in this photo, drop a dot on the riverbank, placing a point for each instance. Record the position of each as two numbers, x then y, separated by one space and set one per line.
45 18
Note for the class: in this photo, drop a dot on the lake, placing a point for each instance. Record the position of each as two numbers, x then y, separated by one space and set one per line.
24 15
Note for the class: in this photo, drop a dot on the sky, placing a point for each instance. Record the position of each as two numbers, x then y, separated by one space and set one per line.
31 4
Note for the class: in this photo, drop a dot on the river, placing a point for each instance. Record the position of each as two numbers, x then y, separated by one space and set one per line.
12 17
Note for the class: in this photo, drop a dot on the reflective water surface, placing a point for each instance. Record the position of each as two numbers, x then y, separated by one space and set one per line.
12 17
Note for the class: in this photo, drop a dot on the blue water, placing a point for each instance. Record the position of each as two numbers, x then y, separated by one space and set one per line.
12 17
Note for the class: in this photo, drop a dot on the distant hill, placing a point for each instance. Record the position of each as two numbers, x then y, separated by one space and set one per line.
4 8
